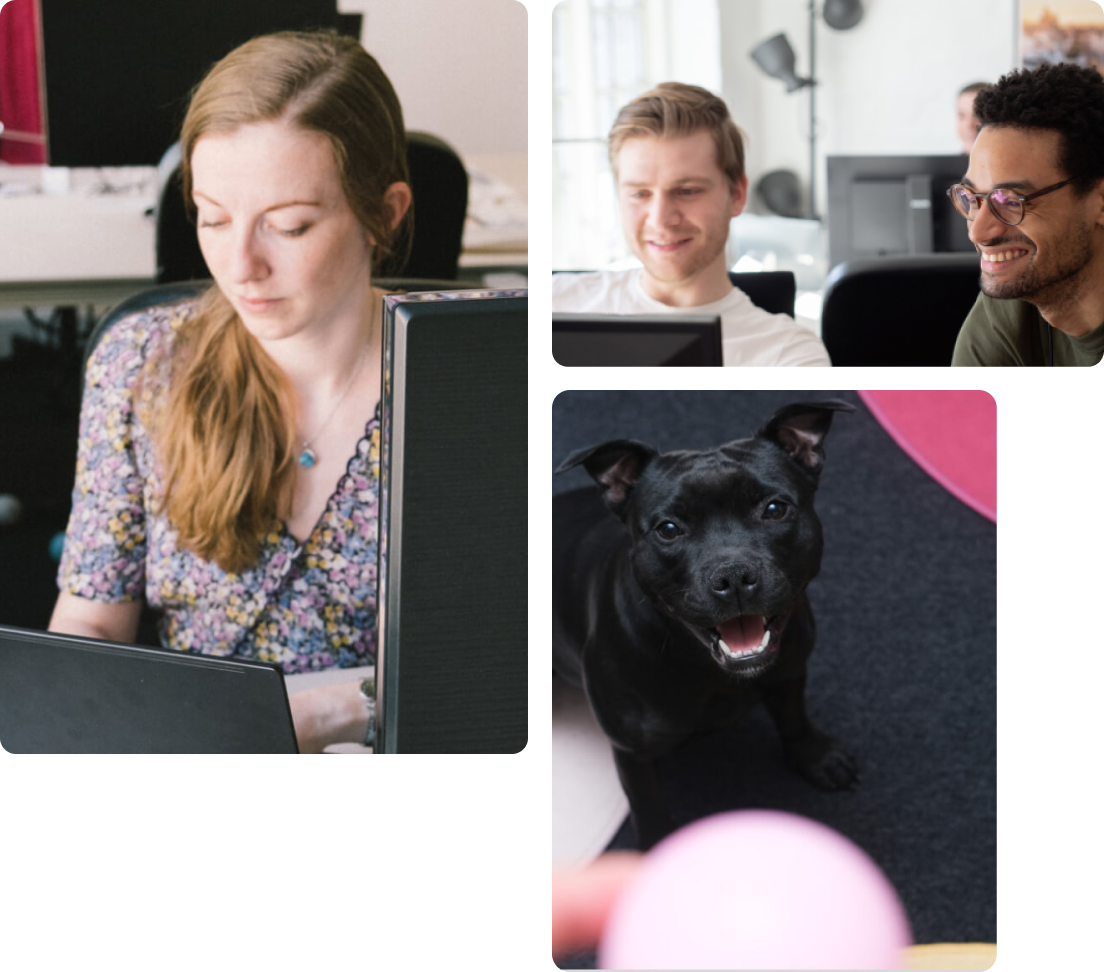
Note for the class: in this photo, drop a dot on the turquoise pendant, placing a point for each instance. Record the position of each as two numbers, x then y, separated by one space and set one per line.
307 458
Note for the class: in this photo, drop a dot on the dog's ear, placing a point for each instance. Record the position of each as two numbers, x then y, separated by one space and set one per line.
615 466
800 430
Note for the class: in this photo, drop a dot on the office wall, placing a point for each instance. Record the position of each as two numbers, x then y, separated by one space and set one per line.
887 86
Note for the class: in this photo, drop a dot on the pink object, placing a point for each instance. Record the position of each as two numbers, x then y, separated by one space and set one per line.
20 110
756 889
951 435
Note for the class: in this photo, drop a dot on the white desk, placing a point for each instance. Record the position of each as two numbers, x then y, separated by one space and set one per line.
73 249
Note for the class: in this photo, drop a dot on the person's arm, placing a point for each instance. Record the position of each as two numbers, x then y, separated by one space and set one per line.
329 714
101 577
95 619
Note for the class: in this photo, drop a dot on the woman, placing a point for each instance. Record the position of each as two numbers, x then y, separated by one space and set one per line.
228 460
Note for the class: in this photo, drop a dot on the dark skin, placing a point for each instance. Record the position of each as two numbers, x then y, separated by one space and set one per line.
1054 259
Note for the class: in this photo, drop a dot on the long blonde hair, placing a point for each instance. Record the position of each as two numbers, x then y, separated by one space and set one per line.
226 431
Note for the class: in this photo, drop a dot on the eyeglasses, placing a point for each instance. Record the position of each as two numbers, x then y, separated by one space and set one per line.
1006 205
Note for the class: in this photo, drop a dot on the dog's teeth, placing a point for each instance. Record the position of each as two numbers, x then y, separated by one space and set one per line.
745 652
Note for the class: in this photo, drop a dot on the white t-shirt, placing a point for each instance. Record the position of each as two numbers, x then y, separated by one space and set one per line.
750 335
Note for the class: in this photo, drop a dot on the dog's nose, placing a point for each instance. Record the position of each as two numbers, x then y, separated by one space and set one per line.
730 579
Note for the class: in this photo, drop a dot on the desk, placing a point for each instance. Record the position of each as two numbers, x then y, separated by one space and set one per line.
73 249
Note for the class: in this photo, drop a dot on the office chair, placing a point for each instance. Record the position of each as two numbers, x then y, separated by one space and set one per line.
771 290
900 310
438 180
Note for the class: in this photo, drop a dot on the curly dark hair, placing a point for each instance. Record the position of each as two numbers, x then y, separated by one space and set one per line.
1061 97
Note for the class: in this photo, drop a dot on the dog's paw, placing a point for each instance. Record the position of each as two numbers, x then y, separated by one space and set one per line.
823 762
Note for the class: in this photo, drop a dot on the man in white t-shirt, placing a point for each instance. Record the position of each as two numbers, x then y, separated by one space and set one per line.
679 163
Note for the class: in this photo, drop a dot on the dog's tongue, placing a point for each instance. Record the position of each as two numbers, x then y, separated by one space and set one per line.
743 632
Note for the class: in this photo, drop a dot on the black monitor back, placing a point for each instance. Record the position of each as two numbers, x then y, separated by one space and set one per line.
637 340
452 670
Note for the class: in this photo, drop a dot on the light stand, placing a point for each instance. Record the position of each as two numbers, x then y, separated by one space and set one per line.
775 58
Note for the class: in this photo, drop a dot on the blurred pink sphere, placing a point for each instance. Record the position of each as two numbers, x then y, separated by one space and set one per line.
756 889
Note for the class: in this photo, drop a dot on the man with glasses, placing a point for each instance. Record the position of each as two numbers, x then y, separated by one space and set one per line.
1034 197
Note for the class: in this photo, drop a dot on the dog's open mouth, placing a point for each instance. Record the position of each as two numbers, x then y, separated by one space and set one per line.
746 636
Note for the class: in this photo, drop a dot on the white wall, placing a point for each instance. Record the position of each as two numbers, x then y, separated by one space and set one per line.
459 67
887 86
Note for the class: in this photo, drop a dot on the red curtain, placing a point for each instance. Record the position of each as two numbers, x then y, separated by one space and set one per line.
19 102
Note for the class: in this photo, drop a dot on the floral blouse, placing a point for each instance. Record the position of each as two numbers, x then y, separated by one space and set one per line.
303 606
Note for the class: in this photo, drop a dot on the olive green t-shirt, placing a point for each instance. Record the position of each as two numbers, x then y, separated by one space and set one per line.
1013 332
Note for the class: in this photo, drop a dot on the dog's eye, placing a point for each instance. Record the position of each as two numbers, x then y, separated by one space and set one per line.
775 510
668 530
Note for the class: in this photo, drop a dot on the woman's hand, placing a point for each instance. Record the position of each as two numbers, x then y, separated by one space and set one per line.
329 714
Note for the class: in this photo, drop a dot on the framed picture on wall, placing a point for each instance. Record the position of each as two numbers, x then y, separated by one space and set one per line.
1052 31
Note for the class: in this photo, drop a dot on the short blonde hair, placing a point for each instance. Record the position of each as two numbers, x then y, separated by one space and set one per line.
672 109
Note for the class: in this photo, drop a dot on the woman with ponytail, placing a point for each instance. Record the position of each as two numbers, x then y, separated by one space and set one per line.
228 463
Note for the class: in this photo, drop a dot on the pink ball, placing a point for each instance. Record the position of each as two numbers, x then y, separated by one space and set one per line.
756 889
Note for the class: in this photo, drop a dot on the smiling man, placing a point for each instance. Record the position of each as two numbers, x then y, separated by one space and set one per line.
1034 196
679 163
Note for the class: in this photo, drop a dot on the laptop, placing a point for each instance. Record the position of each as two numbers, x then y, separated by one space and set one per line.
64 694
637 340
452 672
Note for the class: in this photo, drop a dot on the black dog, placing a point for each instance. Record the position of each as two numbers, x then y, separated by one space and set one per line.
689 607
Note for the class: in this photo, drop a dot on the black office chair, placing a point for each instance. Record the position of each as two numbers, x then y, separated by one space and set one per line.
771 290
901 310
438 181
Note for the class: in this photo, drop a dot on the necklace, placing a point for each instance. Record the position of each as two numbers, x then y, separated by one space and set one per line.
307 457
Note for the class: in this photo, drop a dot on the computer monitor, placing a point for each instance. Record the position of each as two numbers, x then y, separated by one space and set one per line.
117 75
452 669
894 205
637 340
